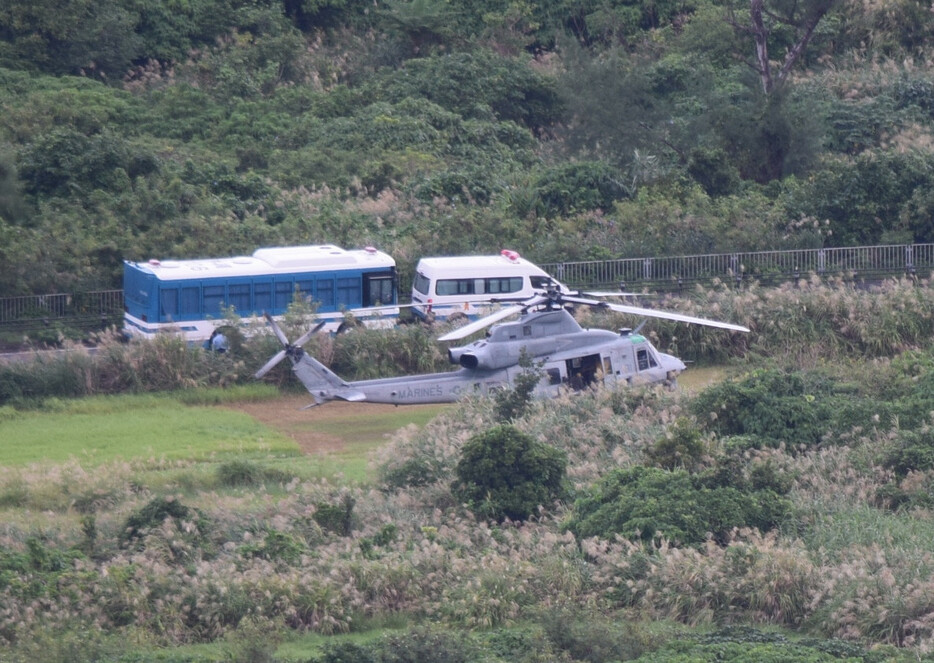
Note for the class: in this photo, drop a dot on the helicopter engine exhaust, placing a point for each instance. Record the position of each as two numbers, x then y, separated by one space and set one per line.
480 357
463 357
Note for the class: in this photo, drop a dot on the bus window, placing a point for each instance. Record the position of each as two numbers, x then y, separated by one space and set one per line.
168 300
262 297
191 302
306 288
284 292
378 291
348 292
239 297
213 299
326 292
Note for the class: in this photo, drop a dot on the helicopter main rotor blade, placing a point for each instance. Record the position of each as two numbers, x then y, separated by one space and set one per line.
278 332
482 323
619 293
308 334
668 315
268 366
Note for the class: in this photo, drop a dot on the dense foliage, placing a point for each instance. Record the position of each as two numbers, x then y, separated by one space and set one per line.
505 474
565 130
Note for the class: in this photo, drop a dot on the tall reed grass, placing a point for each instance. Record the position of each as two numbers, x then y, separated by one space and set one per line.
257 554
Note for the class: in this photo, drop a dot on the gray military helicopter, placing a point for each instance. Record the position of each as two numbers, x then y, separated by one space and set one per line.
570 357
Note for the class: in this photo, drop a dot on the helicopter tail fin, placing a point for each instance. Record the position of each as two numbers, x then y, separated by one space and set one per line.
323 383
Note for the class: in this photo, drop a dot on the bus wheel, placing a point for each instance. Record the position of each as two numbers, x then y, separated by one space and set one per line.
347 326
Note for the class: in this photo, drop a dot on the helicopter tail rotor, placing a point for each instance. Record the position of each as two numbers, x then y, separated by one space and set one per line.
292 350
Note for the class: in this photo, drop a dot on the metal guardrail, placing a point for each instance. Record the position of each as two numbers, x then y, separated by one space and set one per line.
83 309
104 307
762 266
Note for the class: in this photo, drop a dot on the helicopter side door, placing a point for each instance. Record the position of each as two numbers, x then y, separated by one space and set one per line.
582 371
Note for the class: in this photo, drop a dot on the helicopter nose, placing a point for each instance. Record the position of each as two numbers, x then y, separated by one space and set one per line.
671 364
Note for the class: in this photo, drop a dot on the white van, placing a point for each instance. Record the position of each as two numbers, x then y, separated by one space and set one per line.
451 288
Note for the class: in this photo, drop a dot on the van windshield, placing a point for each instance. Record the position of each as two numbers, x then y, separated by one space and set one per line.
421 283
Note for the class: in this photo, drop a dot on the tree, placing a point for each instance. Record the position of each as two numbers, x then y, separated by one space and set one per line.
764 21
504 473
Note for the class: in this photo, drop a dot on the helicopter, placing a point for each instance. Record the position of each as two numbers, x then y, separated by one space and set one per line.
569 356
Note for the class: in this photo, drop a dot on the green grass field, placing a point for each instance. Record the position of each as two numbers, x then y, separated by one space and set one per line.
104 429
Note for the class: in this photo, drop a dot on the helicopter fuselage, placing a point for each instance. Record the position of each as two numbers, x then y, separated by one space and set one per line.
567 361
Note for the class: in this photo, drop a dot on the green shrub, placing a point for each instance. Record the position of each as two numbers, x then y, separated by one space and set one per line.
336 518
276 547
681 446
642 503
154 514
770 404
910 452
745 644
427 644
347 652
234 473
504 473
594 639
514 402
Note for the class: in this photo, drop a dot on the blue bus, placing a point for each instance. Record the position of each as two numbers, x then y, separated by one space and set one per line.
191 297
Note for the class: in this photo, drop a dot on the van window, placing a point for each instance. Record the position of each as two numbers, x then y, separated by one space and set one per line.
511 284
502 285
421 283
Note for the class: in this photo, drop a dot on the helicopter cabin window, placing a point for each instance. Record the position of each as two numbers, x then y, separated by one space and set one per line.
526 330
645 360
554 376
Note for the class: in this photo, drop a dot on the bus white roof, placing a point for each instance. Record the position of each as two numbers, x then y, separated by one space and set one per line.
477 266
270 260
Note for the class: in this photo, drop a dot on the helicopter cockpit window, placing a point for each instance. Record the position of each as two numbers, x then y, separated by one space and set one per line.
645 360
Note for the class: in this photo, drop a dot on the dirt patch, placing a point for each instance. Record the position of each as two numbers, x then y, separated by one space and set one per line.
286 415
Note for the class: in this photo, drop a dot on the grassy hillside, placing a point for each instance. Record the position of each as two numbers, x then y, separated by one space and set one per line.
563 130
254 556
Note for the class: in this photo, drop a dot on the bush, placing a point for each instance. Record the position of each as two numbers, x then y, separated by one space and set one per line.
159 510
771 404
642 503
239 473
911 451
337 518
504 473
